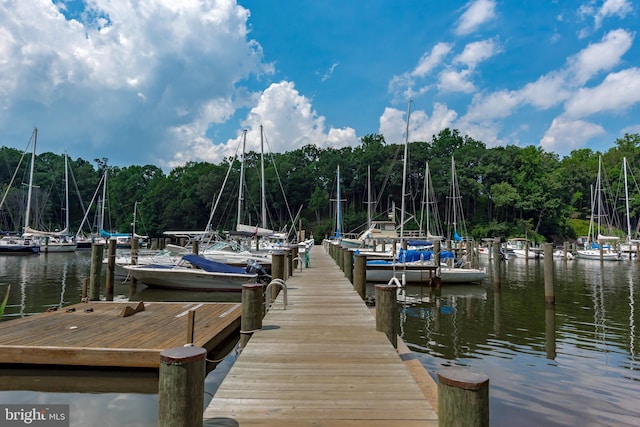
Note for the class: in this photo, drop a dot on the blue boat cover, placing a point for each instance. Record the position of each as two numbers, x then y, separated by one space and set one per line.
413 255
213 266
419 243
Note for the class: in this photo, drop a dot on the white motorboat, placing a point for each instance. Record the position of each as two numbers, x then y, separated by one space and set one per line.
194 272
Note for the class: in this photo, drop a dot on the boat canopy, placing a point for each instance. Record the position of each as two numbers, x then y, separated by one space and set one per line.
213 266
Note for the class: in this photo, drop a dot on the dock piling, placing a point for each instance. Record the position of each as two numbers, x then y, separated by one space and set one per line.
549 293
463 397
96 271
191 324
386 312
251 319
360 275
181 386
347 263
111 266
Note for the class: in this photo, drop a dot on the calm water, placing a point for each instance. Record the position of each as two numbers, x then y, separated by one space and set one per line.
575 364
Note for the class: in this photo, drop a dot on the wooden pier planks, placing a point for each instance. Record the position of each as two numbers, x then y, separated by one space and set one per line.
321 362
94 333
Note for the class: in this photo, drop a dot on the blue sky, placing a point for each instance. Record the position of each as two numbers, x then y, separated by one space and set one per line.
166 82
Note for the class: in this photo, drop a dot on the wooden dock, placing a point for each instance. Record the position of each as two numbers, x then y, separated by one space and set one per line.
94 333
320 361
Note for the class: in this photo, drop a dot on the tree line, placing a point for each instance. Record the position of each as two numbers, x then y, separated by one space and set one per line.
505 191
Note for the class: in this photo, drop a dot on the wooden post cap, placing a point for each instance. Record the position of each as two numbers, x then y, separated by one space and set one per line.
252 285
462 378
386 288
182 355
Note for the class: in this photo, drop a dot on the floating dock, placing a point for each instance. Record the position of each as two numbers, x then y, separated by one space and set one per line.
319 361
117 334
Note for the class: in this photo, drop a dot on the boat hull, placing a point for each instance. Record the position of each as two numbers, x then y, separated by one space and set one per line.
462 275
191 279
62 247
19 250
595 255
384 271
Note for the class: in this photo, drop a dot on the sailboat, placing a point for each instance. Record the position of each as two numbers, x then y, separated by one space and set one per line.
58 241
258 231
458 271
24 245
630 246
85 241
596 246
411 266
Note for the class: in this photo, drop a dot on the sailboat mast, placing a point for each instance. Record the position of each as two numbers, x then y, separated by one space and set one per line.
599 196
404 174
369 202
33 160
263 196
241 186
626 199
104 199
338 210
454 197
66 193
425 201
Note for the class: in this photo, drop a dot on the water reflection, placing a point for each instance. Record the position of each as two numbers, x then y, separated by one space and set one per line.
570 363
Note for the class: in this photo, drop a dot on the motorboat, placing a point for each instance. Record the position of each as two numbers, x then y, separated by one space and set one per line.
194 272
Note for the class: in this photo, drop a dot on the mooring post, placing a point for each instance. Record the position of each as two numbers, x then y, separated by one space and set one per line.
463 398
295 260
347 262
191 326
251 319
277 271
386 312
83 295
181 386
340 259
96 271
436 253
360 275
496 263
549 293
195 247
290 262
111 266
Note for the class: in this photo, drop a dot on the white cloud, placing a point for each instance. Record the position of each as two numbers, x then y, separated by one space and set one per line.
563 135
600 56
618 8
289 122
135 74
549 90
456 81
494 105
432 59
477 13
421 126
476 52
617 92
404 86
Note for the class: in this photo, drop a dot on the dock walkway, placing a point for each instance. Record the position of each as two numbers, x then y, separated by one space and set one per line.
319 361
